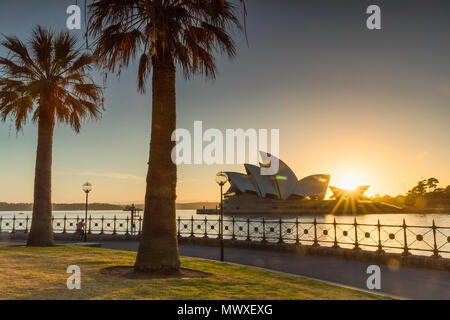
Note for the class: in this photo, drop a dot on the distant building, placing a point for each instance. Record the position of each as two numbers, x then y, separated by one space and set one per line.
282 186
283 194
356 194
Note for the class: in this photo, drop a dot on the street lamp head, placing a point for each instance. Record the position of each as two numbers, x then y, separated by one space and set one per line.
221 178
87 187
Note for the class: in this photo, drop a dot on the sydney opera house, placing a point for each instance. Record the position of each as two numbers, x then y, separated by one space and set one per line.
282 186
283 193
253 192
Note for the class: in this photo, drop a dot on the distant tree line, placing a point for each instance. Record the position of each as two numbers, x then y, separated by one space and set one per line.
426 193
4 206
398 200
427 190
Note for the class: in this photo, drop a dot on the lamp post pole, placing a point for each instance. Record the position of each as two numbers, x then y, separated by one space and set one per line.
221 179
87 187
221 223
85 217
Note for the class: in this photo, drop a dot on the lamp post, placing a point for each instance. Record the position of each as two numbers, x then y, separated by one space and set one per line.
87 187
132 229
221 179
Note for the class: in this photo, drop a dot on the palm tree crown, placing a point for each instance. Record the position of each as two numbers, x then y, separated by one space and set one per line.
184 32
47 77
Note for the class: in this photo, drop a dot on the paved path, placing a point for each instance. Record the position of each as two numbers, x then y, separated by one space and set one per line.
410 283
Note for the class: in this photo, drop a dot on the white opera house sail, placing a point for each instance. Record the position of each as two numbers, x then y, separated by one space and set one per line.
281 186
252 193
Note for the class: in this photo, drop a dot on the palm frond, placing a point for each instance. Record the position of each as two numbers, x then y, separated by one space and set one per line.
186 33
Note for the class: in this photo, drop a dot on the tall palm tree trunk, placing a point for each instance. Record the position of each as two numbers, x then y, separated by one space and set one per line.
158 248
41 233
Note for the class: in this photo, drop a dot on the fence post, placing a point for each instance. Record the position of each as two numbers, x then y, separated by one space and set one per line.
179 229
14 224
103 219
1 221
264 230
140 225
380 245
126 231
90 224
192 227
316 242
280 225
405 247
335 234
64 225
356 235
26 225
114 224
248 228
206 228
233 237
219 234
435 250
297 240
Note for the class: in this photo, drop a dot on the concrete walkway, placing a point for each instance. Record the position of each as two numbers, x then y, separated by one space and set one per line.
411 283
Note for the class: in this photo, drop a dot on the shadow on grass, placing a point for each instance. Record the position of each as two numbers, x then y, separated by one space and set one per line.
129 273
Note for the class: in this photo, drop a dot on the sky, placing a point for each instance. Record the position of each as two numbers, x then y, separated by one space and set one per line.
365 106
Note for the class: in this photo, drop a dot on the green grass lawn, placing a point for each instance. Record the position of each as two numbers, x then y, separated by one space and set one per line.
40 273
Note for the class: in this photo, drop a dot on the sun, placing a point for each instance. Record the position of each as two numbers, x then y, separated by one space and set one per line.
350 182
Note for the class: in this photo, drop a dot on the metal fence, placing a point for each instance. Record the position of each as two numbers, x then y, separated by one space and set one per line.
95 225
406 239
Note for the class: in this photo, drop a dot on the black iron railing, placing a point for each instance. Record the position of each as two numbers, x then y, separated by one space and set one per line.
406 239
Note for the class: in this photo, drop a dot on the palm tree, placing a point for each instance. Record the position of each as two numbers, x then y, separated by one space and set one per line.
46 78
166 34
